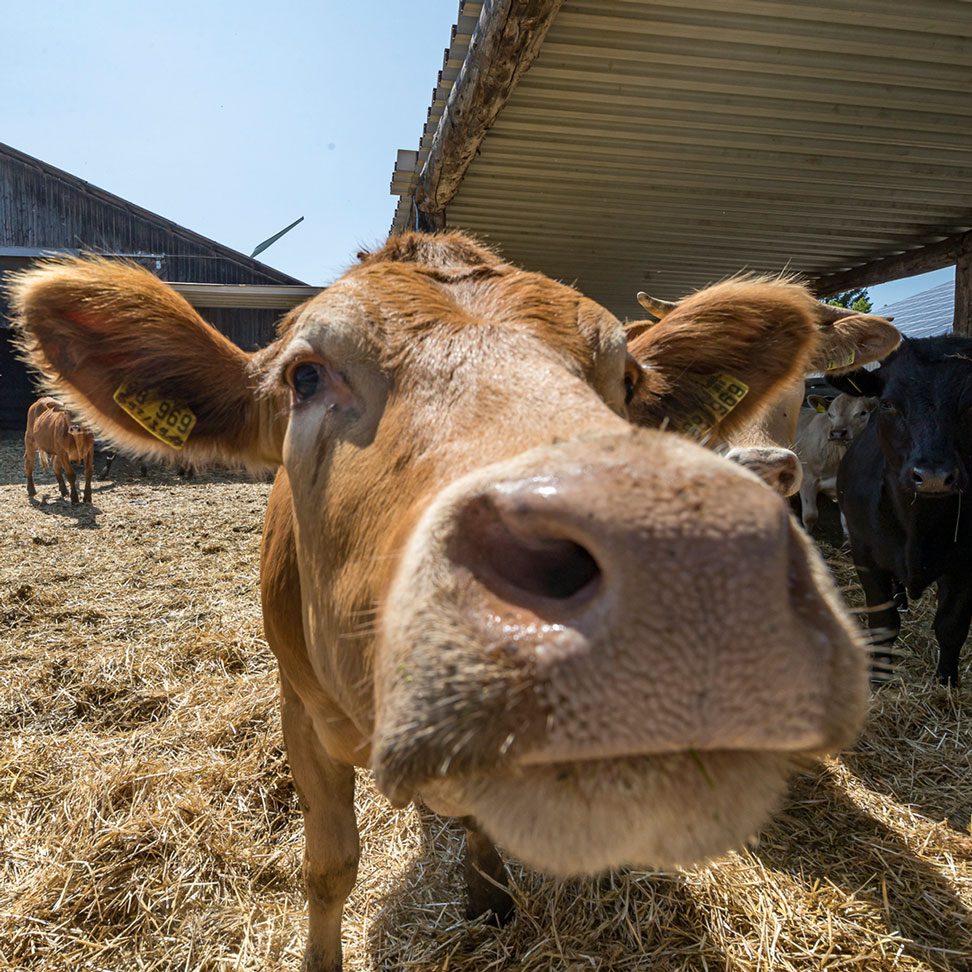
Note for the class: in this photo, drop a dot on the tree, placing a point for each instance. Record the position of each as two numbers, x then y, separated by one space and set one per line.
857 300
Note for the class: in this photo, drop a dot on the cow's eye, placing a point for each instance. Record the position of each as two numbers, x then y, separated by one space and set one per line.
305 379
888 406
632 375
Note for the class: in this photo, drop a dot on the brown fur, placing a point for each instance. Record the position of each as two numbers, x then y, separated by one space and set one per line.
605 644
761 331
852 341
802 335
124 325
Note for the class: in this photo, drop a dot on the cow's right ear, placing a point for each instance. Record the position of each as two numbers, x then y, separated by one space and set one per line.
129 354
722 355
860 384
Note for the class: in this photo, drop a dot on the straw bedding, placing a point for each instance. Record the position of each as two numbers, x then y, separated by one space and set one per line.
147 820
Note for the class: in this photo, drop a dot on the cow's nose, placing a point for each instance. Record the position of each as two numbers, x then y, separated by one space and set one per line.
934 479
838 434
515 543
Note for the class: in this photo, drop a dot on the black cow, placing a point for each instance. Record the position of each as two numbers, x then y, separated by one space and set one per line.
900 488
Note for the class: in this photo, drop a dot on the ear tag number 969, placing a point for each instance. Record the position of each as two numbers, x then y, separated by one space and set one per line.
719 394
169 421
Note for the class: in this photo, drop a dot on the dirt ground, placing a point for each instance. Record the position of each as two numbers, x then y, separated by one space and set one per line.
147 819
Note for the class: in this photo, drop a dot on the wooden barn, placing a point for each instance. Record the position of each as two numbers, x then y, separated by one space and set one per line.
44 210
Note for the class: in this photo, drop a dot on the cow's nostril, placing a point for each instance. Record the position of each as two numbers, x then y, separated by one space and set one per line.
556 569
516 556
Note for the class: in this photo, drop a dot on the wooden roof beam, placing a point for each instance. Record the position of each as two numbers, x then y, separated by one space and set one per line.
504 44
933 256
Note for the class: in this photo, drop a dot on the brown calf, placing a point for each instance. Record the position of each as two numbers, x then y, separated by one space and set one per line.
52 432
602 645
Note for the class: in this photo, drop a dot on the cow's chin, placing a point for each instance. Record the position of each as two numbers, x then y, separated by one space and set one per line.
651 811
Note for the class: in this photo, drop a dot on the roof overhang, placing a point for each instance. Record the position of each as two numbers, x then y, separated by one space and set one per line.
253 296
244 295
661 145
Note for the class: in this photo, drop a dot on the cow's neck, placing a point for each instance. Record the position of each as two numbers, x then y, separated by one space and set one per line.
937 534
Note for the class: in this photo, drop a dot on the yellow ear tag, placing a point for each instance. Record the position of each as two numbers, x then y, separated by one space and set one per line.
719 394
845 362
167 420
820 408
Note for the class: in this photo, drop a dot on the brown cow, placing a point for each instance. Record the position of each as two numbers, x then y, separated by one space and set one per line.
52 432
601 644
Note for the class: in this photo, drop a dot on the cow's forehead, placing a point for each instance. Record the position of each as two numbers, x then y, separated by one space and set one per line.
926 379
380 308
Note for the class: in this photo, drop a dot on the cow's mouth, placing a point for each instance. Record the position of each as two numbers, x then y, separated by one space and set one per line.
582 818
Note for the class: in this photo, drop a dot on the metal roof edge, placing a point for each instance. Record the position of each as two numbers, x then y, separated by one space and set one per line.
409 163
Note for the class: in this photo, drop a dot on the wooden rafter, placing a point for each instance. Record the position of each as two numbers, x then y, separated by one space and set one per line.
934 256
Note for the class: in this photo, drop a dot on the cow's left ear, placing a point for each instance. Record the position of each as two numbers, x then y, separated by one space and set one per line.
818 402
715 361
132 357
853 341
860 384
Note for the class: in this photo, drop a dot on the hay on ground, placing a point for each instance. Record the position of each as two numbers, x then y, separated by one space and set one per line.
147 820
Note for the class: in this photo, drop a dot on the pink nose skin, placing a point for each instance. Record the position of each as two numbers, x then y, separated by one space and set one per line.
607 598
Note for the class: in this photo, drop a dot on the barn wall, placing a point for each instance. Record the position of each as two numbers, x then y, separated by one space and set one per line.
40 207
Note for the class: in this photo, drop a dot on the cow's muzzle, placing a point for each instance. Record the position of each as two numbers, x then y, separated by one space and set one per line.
612 597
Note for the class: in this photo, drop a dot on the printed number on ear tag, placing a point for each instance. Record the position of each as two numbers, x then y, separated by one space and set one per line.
718 395
844 362
167 420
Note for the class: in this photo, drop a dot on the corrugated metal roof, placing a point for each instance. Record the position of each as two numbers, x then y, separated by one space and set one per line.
661 145
925 314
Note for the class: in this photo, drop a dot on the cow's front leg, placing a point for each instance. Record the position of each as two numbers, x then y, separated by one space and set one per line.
952 620
808 501
326 791
58 468
72 480
883 621
486 878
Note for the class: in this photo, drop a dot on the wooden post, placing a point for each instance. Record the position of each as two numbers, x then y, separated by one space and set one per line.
962 321
916 259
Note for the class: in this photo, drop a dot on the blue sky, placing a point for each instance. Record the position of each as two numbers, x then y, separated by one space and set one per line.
235 118
231 118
